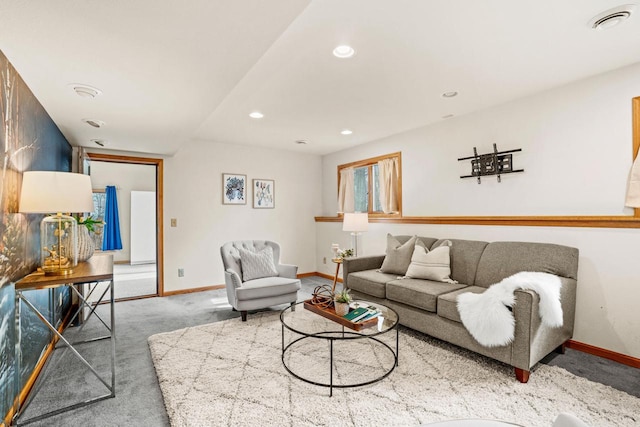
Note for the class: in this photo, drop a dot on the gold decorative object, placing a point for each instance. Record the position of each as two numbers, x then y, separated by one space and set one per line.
322 296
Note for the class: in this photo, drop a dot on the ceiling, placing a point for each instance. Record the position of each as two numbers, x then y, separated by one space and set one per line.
173 71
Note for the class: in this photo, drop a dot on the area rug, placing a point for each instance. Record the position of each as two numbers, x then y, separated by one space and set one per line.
230 373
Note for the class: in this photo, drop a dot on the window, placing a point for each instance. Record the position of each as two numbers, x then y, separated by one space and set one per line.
361 188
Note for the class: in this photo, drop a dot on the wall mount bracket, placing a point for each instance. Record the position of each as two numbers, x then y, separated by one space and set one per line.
496 163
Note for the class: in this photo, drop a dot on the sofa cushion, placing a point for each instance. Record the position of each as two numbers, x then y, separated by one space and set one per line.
418 292
370 282
504 259
398 255
448 303
267 287
431 265
465 256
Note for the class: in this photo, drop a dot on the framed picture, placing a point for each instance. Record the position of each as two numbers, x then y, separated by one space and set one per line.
234 189
264 196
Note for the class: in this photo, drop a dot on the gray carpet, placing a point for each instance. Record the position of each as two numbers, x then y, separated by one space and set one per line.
138 400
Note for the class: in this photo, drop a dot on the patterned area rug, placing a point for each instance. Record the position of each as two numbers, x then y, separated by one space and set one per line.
230 373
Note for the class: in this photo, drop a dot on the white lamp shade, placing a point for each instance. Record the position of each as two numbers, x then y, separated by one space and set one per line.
56 192
355 222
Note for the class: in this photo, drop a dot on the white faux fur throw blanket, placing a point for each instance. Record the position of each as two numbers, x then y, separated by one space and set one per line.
488 318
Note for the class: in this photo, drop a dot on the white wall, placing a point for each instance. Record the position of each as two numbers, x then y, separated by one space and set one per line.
576 143
126 178
143 227
193 195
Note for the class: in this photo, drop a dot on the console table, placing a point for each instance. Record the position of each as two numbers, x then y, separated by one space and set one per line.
98 269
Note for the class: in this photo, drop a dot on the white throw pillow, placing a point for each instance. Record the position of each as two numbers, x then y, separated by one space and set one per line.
431 265
256 265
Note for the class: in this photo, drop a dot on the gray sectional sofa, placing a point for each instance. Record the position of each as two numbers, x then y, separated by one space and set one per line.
431 307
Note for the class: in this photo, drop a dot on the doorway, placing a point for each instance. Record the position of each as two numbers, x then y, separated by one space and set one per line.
138 270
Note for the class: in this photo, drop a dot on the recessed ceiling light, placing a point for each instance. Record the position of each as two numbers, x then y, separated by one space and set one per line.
448 116
93 122
344 51
346 132
612 17
256 115
85 91
301 142
100 142
450 94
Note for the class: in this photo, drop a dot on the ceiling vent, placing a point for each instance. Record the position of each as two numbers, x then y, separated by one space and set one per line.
85 91
612 17
93 122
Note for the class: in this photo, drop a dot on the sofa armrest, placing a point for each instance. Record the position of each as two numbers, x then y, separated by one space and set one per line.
287 270
351 265
532 339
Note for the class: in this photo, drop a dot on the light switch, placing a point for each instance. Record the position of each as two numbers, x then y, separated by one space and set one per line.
174 222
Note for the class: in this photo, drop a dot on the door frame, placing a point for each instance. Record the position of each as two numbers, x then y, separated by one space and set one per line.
158 163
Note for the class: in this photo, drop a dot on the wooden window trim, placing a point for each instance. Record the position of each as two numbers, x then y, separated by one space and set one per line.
615 221
370 162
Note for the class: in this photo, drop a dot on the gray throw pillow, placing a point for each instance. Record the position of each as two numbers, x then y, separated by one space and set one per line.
398 255
431 265
256 265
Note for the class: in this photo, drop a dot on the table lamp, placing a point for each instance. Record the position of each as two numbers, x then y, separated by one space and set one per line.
356 223
59 192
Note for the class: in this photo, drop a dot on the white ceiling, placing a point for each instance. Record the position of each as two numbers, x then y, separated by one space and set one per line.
171 71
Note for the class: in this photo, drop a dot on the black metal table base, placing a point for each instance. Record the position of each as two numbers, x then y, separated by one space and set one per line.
331 339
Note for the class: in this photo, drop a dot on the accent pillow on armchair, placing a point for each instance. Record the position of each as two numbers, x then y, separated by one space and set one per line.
256 265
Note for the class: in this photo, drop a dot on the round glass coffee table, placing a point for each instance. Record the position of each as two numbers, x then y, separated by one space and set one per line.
355 356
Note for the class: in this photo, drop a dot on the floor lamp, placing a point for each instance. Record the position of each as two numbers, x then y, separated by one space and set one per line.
356 223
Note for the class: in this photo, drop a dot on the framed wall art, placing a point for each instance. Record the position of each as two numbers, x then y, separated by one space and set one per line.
264 196
234 189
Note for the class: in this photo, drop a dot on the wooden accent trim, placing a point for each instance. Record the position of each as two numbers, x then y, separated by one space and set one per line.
635 120
604 353
616 221
326 276
122 262
360 163
192 290
159 164
303 275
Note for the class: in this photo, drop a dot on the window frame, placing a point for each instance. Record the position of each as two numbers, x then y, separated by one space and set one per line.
369 163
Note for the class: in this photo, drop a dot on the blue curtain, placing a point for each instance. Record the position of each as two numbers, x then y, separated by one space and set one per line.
111 239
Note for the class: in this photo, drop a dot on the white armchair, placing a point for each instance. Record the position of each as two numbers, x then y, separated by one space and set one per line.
268 284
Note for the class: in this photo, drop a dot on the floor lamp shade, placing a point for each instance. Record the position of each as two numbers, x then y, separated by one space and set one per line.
57 193
356 223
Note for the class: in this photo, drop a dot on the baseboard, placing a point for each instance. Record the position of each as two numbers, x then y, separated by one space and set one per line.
122 262
604 353
303 275
192 290
326 276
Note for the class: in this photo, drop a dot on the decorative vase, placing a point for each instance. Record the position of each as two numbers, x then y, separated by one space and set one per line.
86 246
342 308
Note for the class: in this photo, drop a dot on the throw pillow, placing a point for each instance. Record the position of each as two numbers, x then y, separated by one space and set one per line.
256 265
398 255
431 265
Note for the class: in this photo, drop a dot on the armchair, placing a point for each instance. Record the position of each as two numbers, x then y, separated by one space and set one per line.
278 287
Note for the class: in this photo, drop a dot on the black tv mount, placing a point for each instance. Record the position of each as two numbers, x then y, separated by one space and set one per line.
496 163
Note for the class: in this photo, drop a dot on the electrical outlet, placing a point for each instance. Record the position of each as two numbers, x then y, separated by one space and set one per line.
174 222
181 272
324 260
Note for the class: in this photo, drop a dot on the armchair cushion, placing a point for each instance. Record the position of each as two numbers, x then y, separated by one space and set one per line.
256 265
267 287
